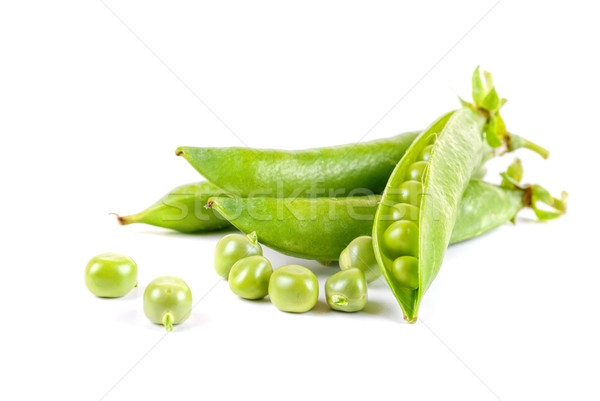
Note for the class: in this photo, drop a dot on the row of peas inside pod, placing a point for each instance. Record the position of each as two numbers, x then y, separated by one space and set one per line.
291 288
167 299
401 237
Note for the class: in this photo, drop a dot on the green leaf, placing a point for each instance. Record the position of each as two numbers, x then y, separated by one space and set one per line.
509 182
491 101
502 103
491 133
500 126
545 214
464 103
514 171
478 88
489 83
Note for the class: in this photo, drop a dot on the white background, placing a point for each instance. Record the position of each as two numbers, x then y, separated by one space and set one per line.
94 99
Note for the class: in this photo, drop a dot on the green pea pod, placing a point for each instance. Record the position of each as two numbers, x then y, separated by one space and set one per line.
320 228
182 209
329 171
449 153
457 154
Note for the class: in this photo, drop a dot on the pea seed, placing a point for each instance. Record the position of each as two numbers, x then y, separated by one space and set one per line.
401 239
167 301
249 277
404 211
346 290
411 192
405 270
426 153
359 254
110 275
416 171
293 288
232 248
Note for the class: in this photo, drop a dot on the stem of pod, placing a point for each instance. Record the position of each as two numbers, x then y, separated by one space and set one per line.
535 194
253 237
124 220
487 102
167 321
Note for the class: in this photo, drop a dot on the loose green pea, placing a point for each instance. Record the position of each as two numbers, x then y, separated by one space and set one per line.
111 275
416 170
405 270
401 239
404 211
411 192
359 254
346 290
249 277
293 288
232 248
426 153
167 301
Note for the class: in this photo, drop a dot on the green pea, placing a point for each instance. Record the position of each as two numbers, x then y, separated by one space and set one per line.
416 170
167 301
401 239
110 275
411 192
404 211
405 270
426 153
359 254
249 277
232 248
347 290
293 288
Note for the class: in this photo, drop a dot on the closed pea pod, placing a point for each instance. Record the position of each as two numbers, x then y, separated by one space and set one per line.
302 173
167 301
310 232
182 210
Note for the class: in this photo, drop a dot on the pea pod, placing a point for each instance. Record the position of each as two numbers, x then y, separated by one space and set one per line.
329 171
410 255
182 210
321 228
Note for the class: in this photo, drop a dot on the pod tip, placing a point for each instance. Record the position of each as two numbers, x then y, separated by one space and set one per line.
120 219
412 320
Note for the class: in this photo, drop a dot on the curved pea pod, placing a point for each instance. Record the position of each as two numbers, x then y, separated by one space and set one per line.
321 228
318 172
458 148
310 228
182 209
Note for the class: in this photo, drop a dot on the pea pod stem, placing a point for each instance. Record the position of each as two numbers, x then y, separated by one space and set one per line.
535 194
515 142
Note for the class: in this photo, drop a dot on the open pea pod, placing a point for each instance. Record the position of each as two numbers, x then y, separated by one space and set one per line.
410 252
432 177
